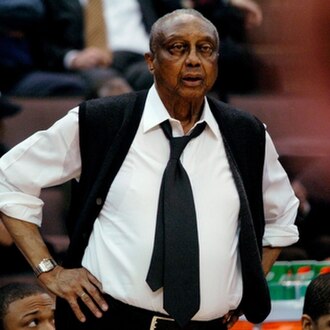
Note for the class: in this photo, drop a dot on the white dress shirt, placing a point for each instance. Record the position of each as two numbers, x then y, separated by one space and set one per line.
120 246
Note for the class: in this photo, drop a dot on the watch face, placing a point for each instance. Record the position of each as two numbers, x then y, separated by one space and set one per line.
44 266
47 265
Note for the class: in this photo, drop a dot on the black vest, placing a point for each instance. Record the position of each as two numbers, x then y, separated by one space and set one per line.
107 128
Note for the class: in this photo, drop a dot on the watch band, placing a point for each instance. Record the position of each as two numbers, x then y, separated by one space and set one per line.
46 265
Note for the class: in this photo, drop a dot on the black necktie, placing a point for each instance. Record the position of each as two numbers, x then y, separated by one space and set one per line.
175 259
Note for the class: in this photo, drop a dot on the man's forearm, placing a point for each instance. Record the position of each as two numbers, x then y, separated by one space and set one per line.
28 239
269 256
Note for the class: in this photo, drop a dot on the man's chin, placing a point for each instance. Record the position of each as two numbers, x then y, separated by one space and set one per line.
193 92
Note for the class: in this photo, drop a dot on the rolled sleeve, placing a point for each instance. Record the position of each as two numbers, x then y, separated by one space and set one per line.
280 233
45 159
280 202
22 206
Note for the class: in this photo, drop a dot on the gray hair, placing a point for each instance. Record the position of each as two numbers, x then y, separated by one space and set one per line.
156 29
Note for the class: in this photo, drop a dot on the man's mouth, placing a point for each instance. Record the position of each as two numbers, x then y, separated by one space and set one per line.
192 80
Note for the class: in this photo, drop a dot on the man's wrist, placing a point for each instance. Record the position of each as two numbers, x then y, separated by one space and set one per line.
45 266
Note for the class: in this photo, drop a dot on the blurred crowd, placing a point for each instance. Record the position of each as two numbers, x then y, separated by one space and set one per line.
45 48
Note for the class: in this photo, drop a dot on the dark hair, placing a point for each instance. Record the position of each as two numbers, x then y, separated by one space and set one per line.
14 291
317 298
156 29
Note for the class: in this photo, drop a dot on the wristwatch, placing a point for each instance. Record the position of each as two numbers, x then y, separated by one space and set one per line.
46 265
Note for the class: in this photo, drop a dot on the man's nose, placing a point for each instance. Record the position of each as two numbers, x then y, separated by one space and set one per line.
193 57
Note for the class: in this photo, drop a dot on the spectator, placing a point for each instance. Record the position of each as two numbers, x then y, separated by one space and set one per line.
20 74
24 306
127 36
316 309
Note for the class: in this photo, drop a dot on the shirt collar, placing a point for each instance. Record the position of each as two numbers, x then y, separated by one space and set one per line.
155 113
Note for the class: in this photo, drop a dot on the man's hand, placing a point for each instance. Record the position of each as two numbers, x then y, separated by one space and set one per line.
69 284
252 10
75 284
231 318
91 58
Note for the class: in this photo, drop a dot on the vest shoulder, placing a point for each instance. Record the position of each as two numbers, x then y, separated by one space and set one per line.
113 109
228 112
111 102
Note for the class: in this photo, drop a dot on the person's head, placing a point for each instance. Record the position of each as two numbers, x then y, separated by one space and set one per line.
316 310
25 306
183 55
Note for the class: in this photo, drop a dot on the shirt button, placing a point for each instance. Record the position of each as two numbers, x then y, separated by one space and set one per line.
99 201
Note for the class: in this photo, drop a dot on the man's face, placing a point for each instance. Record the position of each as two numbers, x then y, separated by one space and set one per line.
185 60
323 323
36 312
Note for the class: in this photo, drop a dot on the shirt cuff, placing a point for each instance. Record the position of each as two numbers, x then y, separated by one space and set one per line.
280 236
22 206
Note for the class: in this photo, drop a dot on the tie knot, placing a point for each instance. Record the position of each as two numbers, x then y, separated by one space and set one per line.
177 144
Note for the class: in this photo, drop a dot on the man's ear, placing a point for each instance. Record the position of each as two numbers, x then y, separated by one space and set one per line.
149 57
306 322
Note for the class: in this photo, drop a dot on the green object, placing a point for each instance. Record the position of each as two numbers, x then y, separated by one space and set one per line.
322 267
279 272
303 270
282 291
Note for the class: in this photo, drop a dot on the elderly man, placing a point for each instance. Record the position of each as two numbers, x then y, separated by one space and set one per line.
156 242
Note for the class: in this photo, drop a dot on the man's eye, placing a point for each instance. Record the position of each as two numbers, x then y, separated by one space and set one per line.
177 48
206 49
33 324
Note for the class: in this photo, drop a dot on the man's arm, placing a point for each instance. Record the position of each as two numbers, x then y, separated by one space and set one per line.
269 256
27 238
69 284
21 206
